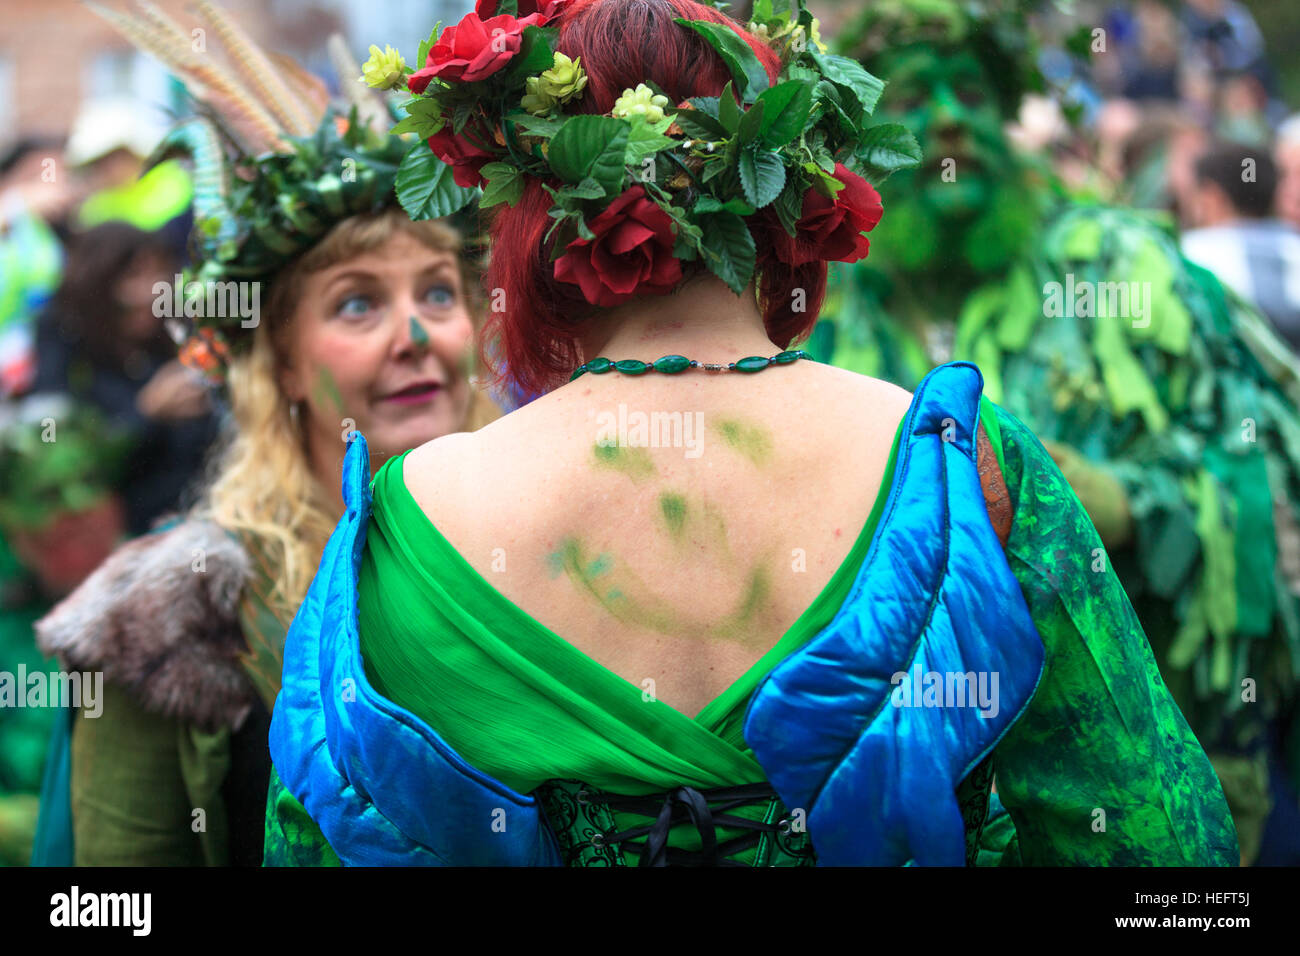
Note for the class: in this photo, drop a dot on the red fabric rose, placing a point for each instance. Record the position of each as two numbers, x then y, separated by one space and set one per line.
464 158
544 9
471 50
831 229
631 254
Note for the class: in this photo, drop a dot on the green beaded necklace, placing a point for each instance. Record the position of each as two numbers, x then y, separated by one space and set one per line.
673 364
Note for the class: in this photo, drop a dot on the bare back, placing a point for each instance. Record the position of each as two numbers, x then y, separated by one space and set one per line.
673 528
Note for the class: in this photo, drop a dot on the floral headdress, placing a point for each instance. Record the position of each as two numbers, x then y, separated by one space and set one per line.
276 166
651 184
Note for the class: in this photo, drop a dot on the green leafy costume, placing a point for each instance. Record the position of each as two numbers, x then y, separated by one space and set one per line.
1175 405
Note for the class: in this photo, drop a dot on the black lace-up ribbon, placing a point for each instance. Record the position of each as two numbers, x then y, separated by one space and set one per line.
706 810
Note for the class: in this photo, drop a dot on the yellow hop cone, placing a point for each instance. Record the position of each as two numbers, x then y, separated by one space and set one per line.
564 80
642 101
385 70
534 100
561 83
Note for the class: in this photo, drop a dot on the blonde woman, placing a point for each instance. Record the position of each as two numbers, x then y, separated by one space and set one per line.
364 322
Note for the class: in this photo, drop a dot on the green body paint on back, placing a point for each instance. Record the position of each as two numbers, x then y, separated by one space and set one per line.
633 462
673 508
752 441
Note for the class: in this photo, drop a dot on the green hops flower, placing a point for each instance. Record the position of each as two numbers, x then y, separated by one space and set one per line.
385 70
561 83
642 101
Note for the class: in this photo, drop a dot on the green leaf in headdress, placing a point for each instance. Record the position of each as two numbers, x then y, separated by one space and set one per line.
750 76
425 187
850 74
885 149
728 249
787 106
762 176
504 184
592 146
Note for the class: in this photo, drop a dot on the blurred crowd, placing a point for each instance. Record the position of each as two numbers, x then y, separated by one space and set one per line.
1180 110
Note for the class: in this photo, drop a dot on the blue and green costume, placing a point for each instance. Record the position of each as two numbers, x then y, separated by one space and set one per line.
855 776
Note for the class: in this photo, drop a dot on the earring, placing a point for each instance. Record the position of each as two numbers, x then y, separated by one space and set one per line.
294 414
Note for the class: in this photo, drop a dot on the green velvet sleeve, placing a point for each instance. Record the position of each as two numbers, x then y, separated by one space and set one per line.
1101 768
292 837
146 789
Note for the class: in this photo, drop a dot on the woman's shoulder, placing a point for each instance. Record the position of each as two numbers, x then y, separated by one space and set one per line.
161 618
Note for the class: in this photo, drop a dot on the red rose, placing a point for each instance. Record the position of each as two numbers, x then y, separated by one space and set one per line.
471 50
464 158
831 229
631 254
543 9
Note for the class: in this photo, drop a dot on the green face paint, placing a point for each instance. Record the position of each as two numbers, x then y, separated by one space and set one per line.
419 337
326 390
633 462
752 441
970 192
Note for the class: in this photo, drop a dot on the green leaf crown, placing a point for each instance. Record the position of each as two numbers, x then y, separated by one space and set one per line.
708 163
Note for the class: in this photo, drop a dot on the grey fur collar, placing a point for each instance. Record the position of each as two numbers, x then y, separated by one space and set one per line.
161 618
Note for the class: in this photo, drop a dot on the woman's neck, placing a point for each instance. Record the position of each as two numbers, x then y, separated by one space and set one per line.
703 320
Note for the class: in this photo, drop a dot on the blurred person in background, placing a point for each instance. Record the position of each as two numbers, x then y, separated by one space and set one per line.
1286 153
1224 35
1149 53
1132 365
363 320
111 138
1243 110
1237 237
36 197
100 339
59 518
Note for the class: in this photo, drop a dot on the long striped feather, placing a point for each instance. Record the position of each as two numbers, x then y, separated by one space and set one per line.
163 23
311 91
203 77
258 70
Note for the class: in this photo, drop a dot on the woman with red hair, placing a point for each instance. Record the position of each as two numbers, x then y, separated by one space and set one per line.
705 601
